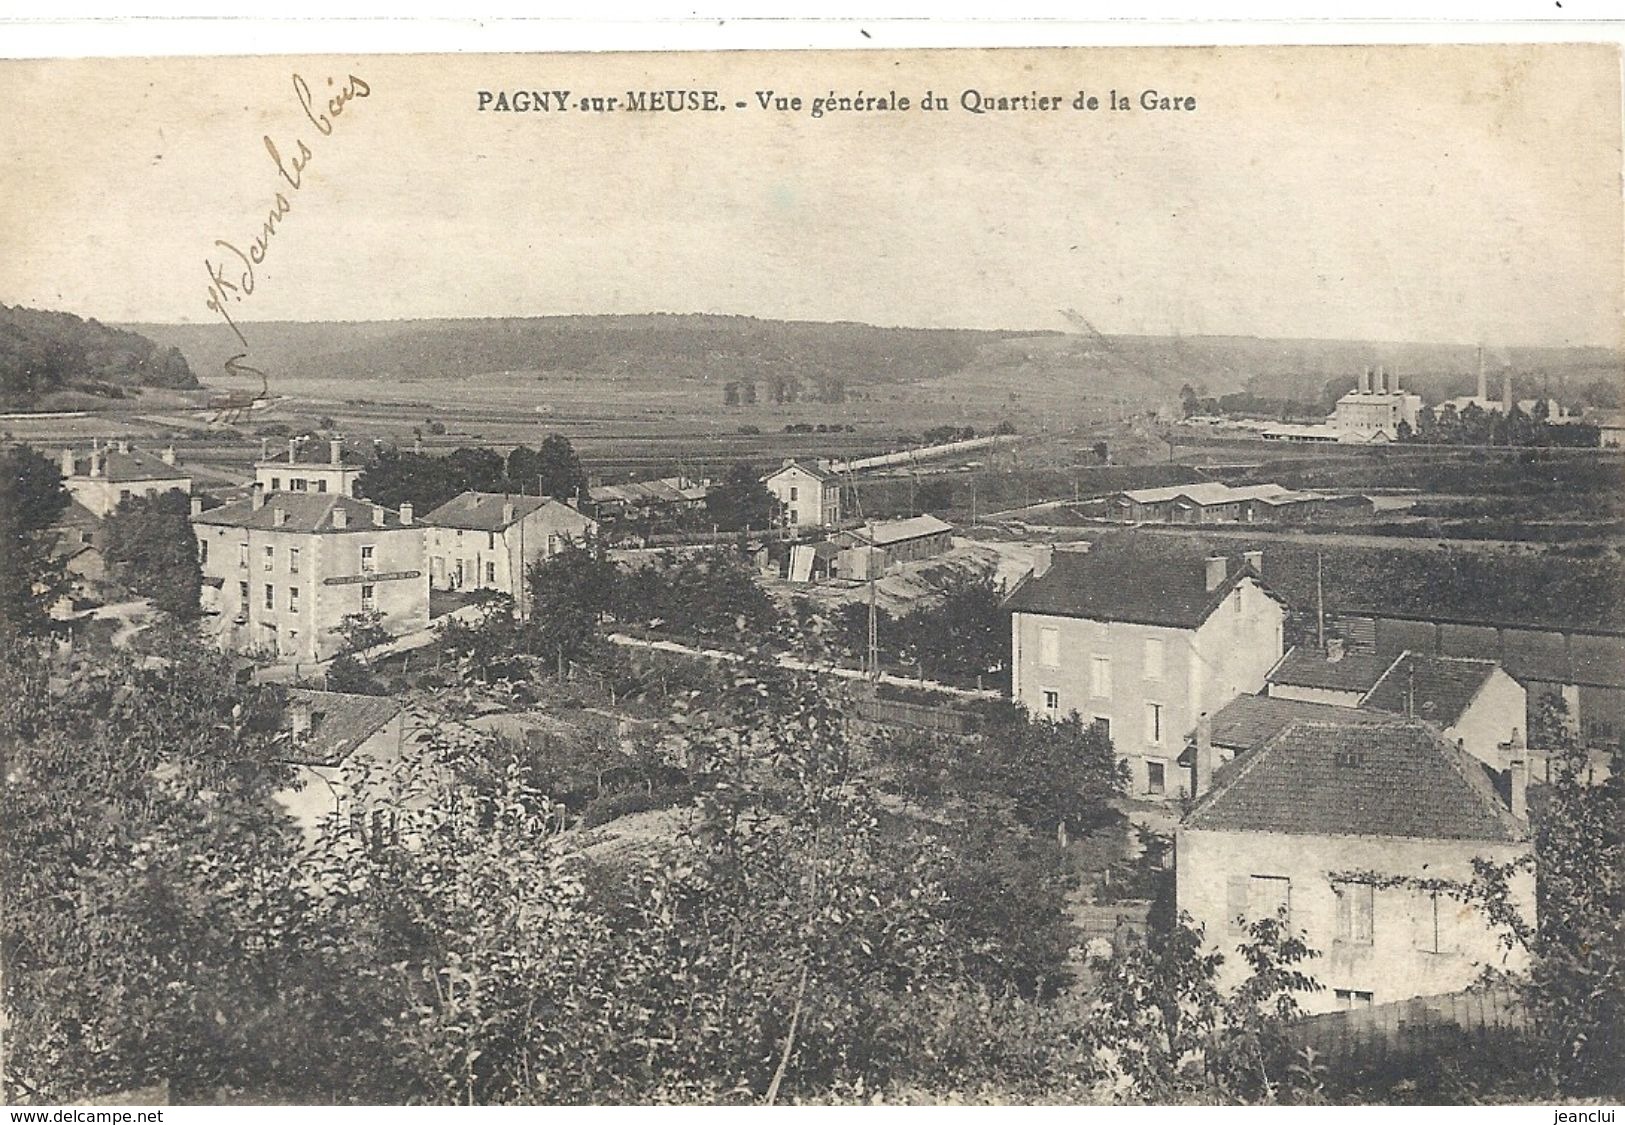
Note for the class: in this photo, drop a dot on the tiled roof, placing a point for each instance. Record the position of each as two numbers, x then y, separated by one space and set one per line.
1123 585
136 464
1251 720
339 722
483 511
1398 778
1305 666
306 511
887 532
1436 688
811 470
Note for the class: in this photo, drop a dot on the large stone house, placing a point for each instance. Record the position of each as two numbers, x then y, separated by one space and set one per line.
283 570
1141 646
486 540
1354 830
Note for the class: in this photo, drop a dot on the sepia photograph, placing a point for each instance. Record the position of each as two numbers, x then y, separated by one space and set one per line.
1016 576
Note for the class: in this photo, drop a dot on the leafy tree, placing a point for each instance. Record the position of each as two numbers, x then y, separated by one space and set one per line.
570 592
1060 776
1187 401
741 500
963 635
31 498
151 550
362 631
396 477
348 674
1251 1055
150 929
558 469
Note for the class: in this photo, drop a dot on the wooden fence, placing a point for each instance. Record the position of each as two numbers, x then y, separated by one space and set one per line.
1393 1035
897 713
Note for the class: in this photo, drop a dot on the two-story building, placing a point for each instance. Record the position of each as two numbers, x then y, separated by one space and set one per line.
111 474
1349 830
310 466
808 495
284 569
1141 646
486 540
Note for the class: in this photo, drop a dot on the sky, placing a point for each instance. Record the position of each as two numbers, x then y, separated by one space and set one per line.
1451 194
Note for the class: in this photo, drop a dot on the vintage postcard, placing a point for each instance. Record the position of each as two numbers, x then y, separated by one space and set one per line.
1003 577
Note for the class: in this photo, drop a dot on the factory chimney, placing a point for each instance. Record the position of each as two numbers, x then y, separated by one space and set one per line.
1483 379
1506 390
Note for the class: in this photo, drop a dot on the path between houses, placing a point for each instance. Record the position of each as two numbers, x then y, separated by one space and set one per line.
797 664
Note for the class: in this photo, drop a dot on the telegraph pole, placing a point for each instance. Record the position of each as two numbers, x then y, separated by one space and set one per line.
1320 606
874 622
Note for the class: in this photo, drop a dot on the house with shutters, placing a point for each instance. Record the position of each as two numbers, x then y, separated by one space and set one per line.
1348 829
486 540
1141 645
808 495
310 466
282 570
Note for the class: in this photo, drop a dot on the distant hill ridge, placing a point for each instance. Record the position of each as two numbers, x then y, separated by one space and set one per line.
48 359
720 349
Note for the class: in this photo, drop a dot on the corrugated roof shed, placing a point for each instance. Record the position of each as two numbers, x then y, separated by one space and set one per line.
887 532
1399 778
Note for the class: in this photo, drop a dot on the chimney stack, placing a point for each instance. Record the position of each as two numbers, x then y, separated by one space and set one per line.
1217 566
1334 649
96 460
1254 559
293 450
299 718
1518 776
335 451
1365 381
67 462
406 513
168 455
1043 559
1204 755
341 517
1382 379
507 513
124 445
197 506
256 496
279 517
378 515
1394 381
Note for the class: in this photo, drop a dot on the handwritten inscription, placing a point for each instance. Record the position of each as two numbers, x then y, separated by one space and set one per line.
233 271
